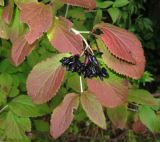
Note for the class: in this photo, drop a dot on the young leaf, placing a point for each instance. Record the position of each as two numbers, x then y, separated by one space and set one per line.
93 109
134 71
63 39
8 12
121 43
141 96
118 116
45 79
114 13
38 16
23 106
20 50
149 118
110 92
89 4
62 116
19 3
120 3
15 127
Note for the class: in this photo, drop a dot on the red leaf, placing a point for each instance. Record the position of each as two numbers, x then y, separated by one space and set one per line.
131 70
138 127
121 43
90 4
62 116
93 109
38 16
63 39
20 50
45 79
8 12
110 92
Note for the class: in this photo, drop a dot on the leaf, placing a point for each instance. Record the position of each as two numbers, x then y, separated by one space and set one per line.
93 109
38 17
41 125
141 96
134 71
110 92
23 106
149 118
19 3
118 116
62 116
63 39
138 127
121 43
3 98
3 27
104 4
15 127
8 12
89 4
98 17
20 50
120 3
16 28
6 81
2 2
45 79
114 13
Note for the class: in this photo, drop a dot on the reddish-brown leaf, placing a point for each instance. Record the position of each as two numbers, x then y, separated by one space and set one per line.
93 109
8 12
138 127
121 43
118 116
89 4
62 116
131 70
20 50
63 39
38 16
110 92
45 79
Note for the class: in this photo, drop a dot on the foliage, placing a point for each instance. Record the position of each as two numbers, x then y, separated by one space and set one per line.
36 35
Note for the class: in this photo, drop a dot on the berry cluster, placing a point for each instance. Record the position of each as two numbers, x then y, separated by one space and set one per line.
90 68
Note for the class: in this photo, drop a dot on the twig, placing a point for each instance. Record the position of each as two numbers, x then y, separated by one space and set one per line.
81 84
3 108
67 8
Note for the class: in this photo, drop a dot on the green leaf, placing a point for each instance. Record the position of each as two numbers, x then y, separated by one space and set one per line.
114 13
104 4
23 106
15 127
93 109
120 3
149 118
41 125
73 82
5 83
118 116
98 17
141 96
3 99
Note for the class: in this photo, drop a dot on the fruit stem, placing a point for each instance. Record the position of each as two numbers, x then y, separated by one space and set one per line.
3 108
85 41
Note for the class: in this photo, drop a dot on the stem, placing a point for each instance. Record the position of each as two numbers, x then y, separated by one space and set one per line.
67 8
81 84
3 108
85 41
